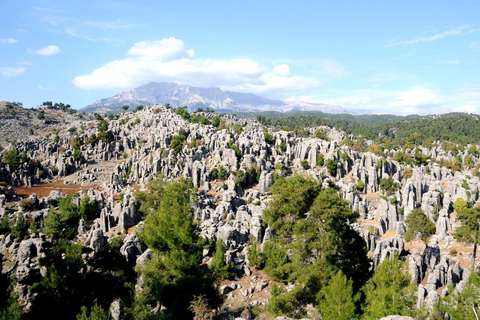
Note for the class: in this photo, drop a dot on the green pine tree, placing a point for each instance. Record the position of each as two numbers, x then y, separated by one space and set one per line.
465 304
469 231
336 299
172 277
419 226
219 267
389 291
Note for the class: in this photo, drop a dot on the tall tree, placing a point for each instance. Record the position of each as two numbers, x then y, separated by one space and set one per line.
419 226
172 276
292 197
337 300
389 291
469 231
465 304
326 234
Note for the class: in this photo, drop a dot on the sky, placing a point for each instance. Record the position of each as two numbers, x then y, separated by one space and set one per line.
397 57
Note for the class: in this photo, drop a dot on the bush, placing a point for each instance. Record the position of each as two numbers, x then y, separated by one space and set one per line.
268 137
389 185
255 255
216 121
41 115
219 267
320 160
304 164
360 185
408 173
177 143
276 260
235 148
12 158
77 154
27 204
19 229
332 167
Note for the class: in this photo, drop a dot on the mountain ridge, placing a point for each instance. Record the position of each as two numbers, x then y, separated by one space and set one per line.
213 97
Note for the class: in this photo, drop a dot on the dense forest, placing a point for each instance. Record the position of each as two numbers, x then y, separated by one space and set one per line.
389 130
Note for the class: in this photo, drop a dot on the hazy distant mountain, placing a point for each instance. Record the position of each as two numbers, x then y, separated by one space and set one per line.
192 97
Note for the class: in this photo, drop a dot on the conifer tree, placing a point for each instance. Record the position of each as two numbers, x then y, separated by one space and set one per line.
337 300
465 304
469 231
171 278
419 226
389 291
219 267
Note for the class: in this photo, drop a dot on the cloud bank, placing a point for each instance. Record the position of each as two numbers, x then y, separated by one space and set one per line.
169 60
414 100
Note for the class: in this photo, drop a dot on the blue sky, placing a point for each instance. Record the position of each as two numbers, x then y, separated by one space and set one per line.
399 57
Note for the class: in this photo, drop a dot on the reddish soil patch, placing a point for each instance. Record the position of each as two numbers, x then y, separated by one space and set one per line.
43 190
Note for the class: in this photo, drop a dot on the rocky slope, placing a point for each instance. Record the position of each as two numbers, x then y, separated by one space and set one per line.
231 210
183 95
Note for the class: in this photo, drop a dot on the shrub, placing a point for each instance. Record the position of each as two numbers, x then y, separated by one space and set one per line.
12 158
389 185
304 164
219 267
320 160
41 115
408 173
255 255
27 204
77 154
360 184
268 137
332 167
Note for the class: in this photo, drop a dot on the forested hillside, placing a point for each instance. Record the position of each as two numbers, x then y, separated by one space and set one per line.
390 130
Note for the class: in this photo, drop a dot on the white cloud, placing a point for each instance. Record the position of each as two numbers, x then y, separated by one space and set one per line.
169 60
334 69
9 40
110 25
475 45
162 50
414 97
44 88
452 61
416 100
47 51
9 72
434 37
72 32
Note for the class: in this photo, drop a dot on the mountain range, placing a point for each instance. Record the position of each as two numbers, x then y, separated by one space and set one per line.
214 98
